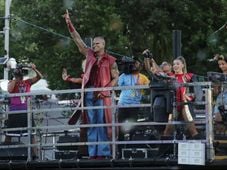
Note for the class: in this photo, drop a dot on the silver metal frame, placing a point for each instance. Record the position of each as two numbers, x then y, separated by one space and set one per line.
207 120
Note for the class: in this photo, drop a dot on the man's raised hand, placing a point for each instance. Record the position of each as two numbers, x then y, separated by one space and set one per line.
68 21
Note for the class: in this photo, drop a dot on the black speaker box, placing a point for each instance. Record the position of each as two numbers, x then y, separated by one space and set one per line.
142 153
13 153
68 139
67 155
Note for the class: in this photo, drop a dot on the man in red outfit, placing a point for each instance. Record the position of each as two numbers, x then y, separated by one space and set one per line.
100 71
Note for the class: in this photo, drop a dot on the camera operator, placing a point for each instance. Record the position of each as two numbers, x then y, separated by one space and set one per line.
131 76
18 85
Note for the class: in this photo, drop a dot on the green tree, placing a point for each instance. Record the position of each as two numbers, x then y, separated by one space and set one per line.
39 34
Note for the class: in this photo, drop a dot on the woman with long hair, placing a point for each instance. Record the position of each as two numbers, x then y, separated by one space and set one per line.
182 76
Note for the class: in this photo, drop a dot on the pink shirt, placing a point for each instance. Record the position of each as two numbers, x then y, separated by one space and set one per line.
20 102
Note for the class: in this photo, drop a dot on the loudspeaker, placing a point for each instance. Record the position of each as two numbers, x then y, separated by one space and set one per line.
143 134
13 153
68 139
141 153
67 155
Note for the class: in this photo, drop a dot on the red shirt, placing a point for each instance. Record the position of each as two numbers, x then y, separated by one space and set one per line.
181 90
98 73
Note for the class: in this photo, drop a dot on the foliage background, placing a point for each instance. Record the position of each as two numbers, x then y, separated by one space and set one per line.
39 34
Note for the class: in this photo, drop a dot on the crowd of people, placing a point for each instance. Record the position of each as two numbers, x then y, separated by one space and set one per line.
101 70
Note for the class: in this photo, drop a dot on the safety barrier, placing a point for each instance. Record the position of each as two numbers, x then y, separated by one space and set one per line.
51 117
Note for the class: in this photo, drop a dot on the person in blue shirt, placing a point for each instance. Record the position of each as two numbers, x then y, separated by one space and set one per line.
131 76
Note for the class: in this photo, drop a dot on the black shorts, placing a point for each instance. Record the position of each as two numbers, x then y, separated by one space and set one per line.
18 121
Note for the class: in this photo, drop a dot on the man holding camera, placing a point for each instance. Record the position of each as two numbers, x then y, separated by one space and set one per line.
18 85
131 76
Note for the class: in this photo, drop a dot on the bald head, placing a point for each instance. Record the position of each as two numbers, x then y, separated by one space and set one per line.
98 44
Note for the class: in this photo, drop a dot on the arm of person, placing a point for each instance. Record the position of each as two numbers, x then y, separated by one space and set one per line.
114 74
147 65
11 85
150 64
75 35
38 74
67 77
155 67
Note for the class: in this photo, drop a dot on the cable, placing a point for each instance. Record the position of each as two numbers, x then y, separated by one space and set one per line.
57 34
41 28
221 28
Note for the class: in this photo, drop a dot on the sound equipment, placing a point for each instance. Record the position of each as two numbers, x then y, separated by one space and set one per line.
143 134
70 151
13 153
68 139
142 153
67 155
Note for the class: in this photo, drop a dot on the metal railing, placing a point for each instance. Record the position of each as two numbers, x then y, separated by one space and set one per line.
59 114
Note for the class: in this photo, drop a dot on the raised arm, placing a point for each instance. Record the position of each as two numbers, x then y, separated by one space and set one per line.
38 74
75 35
149 63
67 77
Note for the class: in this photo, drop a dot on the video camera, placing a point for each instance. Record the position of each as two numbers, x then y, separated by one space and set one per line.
21 69
127 64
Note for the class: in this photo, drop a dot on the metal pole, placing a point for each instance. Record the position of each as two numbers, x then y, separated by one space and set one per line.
6 35
29 123
176 43
113 127
209 125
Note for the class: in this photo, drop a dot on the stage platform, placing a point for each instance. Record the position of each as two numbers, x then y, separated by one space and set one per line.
87 164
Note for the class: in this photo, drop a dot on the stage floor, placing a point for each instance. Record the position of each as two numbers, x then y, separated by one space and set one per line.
145 164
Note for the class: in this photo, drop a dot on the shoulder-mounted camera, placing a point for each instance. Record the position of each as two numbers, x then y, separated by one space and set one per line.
21 70
128 64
